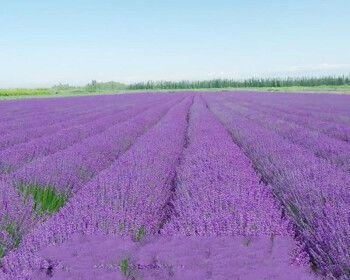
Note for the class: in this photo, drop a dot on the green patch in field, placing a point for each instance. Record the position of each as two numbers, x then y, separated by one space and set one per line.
124 267
46 199
140 234
13 239
2 251
14 232
24 92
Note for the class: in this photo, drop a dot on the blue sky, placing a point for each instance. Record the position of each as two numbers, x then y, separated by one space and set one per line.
43 42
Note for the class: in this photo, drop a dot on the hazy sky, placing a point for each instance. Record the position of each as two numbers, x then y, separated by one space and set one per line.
43 42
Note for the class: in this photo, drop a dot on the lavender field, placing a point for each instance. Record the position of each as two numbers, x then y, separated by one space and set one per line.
241 186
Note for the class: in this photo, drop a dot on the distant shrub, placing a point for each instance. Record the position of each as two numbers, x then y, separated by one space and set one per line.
247 83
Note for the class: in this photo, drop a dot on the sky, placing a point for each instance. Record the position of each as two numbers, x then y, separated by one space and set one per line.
46 42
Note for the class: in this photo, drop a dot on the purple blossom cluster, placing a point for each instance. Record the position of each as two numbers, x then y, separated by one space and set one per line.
176 186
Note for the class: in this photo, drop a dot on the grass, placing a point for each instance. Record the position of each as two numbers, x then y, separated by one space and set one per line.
53 94
46 200
340 85
14 232
296 89
2 251
124 267
24 92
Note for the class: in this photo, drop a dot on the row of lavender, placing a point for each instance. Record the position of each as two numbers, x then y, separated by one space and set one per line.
147 165
16 156
333 108
217 191
182 172
18 115
177 178
24 111
37 124
314 193
103 142
323 115
322 145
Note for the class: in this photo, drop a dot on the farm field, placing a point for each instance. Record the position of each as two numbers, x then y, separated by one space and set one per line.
50 93
186 185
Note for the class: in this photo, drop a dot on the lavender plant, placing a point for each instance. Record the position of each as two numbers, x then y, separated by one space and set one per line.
132 191
175 186
312 191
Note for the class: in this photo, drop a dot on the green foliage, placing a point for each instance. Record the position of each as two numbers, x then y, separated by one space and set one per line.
14 232
124 267
326 83
46 199
140 234
247 83
2 251
65 89
24 92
